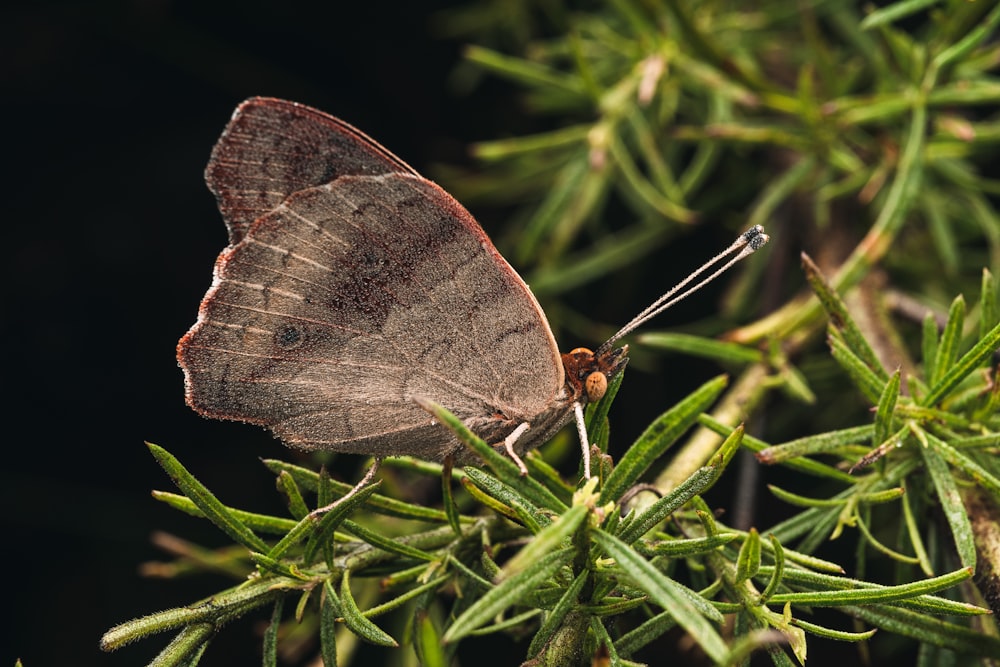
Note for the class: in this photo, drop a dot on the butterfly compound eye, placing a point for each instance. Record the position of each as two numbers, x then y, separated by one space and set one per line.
596 386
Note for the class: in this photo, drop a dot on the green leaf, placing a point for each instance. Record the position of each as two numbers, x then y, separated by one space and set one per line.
795 462
966 464
227 604
324 490
209 505
481 496
777 577
505 469
895 12
702 479
387 544
300 608
879 497
840 319
951 338
748 560
356 621
648 632
555 618
930 630
862 375
684 548
811 445
278 567
309 479
913 530
507 624
939 225
260 522
427 641
551 538
508 592
989 304
185 647
666 593
975 35
951 501
448 500
794 384
524 72
829 633
597 414
327 523
503 465
559 209
749 640
874 594
270 644
507 497
804 501
328 613
573 135
727 450
546 474
296 504
782 188
662 433
403 598
668 504
640 186
929 345
932 604
818 528
886 408
723 352
473 577
969 362
861 522
604 640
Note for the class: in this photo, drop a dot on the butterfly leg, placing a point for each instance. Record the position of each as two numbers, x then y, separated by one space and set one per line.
508 445
320 511
581 427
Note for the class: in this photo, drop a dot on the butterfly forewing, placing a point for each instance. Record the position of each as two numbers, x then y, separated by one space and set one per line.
272 148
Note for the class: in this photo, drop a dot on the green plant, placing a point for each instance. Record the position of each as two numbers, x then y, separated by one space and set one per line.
821 124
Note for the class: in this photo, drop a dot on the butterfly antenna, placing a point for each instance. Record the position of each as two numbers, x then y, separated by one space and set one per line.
745 244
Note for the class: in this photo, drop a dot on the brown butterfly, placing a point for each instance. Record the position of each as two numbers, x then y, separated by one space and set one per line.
353 288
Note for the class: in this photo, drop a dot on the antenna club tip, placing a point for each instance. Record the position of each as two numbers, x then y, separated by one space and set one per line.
758 241
754 237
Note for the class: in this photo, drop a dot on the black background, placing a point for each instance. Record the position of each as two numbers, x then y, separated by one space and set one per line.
109 112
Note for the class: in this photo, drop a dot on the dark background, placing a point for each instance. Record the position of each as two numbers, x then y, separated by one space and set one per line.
109 112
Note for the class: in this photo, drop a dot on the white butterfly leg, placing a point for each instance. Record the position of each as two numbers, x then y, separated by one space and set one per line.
508 445
581 427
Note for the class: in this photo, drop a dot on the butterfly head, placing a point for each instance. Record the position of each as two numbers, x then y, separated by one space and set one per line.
587 373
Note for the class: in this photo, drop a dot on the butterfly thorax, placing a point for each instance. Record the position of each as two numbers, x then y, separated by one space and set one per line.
586 379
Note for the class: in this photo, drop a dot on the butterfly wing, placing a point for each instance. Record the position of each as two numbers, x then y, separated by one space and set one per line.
343 303
272 148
